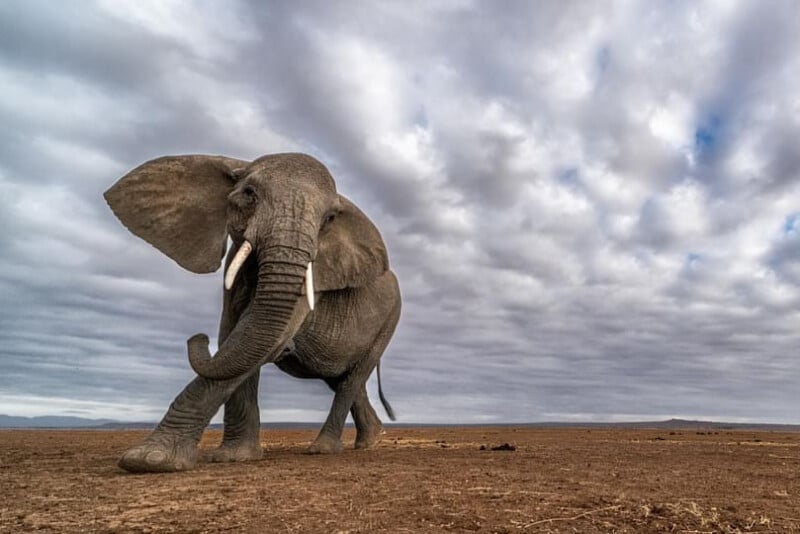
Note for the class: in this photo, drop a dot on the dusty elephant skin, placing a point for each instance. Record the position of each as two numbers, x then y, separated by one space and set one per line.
307 287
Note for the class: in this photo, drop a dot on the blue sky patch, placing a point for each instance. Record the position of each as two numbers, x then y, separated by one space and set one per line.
791 224
706 137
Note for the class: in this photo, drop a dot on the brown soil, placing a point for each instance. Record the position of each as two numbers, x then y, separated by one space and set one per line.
416 480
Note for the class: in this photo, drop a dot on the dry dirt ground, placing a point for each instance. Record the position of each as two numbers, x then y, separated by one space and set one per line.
416 480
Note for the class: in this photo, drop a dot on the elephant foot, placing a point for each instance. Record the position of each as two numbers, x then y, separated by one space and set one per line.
369 437
241 451
325 444
160 454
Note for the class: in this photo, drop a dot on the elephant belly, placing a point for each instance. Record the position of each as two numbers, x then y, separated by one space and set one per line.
290 365
343 330
314 358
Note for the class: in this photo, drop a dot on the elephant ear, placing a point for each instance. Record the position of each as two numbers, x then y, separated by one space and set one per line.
351 251
178 204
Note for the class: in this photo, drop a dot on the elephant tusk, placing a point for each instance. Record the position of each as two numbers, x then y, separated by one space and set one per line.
236 263
310 285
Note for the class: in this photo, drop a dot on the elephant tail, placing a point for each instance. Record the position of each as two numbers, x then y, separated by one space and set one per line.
386 405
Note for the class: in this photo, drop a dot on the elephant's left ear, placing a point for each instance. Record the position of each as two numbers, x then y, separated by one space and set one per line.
351 251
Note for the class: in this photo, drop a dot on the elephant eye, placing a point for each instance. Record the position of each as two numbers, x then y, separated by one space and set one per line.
249 192
328 219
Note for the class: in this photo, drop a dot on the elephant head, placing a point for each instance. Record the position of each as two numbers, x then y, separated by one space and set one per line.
288 223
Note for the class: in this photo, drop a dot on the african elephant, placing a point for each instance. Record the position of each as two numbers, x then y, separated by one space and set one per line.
307 287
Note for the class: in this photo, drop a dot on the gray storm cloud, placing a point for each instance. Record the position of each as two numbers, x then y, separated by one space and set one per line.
593 208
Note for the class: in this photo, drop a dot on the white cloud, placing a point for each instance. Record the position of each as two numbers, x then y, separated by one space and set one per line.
587 207
206 30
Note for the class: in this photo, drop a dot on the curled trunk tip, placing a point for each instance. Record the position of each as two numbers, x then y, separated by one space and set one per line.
199 357
199 338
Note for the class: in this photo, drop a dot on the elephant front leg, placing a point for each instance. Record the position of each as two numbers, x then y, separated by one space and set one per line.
241 441
173 444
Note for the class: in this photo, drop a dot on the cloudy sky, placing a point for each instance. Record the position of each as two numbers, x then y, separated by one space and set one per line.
593 207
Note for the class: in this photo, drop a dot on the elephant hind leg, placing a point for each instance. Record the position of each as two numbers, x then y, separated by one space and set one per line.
329 439
351 396
368 425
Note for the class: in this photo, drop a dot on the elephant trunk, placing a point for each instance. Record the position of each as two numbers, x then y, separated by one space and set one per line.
275 313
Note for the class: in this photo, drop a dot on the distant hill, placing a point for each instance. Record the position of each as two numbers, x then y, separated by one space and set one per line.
127 425
58 421
670 424
285 425
50 421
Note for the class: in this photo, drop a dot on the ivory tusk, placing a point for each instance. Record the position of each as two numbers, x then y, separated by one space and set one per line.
310 285
236 264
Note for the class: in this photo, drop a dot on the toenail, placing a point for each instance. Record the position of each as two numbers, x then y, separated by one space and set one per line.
155 457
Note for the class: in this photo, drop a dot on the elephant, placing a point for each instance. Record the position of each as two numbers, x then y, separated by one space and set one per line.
307 287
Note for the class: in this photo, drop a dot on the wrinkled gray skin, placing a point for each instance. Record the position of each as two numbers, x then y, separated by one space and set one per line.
287 207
